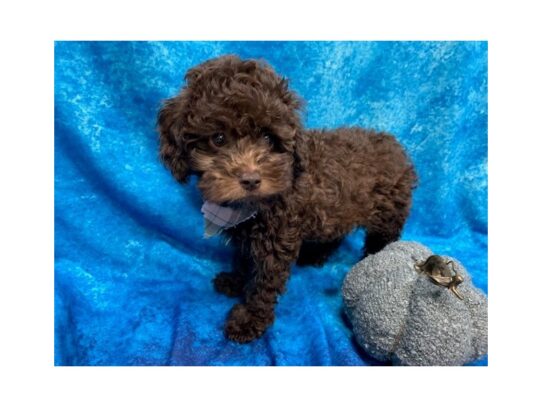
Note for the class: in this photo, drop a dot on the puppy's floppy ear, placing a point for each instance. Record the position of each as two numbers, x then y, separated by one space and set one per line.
173 152
295 104
289 97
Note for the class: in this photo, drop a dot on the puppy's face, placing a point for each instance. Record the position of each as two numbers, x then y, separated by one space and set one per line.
235 167
234 124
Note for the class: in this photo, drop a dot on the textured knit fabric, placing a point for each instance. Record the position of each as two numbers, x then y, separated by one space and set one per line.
132 270
399 315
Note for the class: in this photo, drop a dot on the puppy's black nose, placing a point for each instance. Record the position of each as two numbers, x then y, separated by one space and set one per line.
250 180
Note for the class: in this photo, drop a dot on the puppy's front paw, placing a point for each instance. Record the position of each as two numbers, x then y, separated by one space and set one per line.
243 326
230 284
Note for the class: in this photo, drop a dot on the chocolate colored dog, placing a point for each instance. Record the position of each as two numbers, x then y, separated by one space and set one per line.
235 124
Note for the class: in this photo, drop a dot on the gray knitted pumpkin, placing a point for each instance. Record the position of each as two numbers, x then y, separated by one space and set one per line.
398 314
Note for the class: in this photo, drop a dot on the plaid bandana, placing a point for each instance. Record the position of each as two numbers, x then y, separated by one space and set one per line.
218 218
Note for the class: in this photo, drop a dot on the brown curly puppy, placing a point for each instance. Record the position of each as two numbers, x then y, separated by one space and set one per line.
236 125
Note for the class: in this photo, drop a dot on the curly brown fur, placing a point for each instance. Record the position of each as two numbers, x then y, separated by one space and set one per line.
236 126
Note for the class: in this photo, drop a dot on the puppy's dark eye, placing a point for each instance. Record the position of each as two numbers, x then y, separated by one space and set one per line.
269 138
219 139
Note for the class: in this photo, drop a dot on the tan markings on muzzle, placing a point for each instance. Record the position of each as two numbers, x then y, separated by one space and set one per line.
246 156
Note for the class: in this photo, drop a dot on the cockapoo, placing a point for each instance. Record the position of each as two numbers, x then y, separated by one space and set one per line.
295 193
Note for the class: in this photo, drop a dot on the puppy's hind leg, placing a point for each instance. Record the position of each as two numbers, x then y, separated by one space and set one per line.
392 209
376 240
385 227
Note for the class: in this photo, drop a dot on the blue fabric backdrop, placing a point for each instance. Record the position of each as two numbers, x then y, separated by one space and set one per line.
132 271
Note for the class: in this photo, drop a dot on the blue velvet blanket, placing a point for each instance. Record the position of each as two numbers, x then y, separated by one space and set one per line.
132 270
